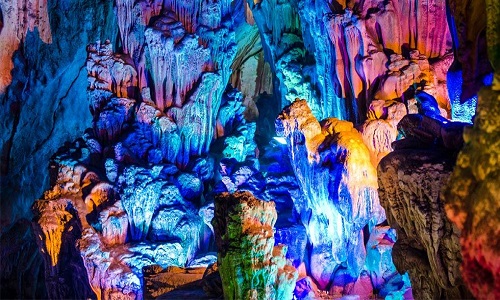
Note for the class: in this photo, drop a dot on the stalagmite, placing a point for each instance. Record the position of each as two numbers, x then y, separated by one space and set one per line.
249 264
337 207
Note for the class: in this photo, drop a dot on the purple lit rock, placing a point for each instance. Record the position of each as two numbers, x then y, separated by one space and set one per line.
112 119
171 50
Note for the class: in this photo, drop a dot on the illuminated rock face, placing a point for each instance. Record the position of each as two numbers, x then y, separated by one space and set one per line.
410 181
129 193
333 168
168 135
334 55
250 265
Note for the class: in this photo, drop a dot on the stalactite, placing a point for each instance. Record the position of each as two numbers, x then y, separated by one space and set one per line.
172 51
53 219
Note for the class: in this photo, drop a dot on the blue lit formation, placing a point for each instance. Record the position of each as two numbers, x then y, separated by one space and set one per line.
461 112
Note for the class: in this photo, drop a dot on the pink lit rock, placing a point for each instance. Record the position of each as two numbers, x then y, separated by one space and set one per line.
429 31
402 74
18 18
346 34
110 72
172 51
147 112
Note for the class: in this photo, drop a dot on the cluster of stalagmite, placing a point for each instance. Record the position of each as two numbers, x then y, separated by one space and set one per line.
129 193
232 147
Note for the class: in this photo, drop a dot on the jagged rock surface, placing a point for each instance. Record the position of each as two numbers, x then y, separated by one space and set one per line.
249 263
334 171
472 198
427 247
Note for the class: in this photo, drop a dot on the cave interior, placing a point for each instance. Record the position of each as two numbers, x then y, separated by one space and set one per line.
250 149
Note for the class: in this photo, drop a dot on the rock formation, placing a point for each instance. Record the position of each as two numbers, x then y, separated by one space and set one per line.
472 196
334 171
249 263
127 195
427 247
173 117
337 61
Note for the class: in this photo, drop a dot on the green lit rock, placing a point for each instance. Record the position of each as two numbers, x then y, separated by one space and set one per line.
250 266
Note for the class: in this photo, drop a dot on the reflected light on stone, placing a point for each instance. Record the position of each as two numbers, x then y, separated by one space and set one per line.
280 140
462 112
